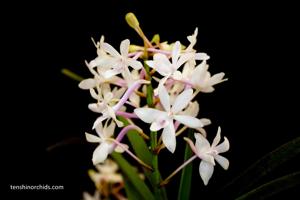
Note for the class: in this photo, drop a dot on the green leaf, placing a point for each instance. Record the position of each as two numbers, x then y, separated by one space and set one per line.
186 174
138 144
264 166
131 192
273 187
131 174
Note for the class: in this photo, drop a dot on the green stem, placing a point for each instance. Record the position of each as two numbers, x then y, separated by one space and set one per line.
71 75
160 193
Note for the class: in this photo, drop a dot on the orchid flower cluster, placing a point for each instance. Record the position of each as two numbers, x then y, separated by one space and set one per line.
156 84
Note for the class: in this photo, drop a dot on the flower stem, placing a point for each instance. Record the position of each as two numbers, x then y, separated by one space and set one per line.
164 182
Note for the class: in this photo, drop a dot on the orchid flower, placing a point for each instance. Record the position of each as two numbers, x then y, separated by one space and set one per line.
105 145
119 62
162 64
204 81
209 153
164 119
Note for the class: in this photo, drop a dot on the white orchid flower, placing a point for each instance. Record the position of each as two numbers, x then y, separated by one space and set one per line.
106 100
105 144
119 62
202 80
162 64
209 153
164 119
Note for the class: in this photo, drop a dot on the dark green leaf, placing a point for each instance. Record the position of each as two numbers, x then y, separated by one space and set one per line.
131 174
264 166
186 175
273 187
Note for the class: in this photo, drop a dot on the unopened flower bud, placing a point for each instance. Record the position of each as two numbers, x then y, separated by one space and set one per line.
132 20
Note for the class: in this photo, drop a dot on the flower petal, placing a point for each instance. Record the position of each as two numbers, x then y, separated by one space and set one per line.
169 138
109 49
148 115
223 147
134 64
176 52
87 84
189 121
222 161
124 48
164 98
202 144
108 131
184 58
101 152
217 138
206 171
182 100
160 123
92 138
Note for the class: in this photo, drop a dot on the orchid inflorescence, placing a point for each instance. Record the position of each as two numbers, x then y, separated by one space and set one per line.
156 83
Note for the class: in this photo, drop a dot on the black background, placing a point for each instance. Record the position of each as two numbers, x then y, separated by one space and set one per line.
256 45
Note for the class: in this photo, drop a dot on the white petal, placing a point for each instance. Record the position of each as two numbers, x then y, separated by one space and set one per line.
182 100
124 48
94 94
92 138
112 114
99 120
176 52
217 138
169 138
189 121
99 129
222 161
100 154
216 79
206 171
135 99
223 147
148 115
108 96
109 49
199 73
202 144
134 64
164 98
201 56
108 131
110 73
151 63
87 84
192 110
184 58
205 121
162 64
